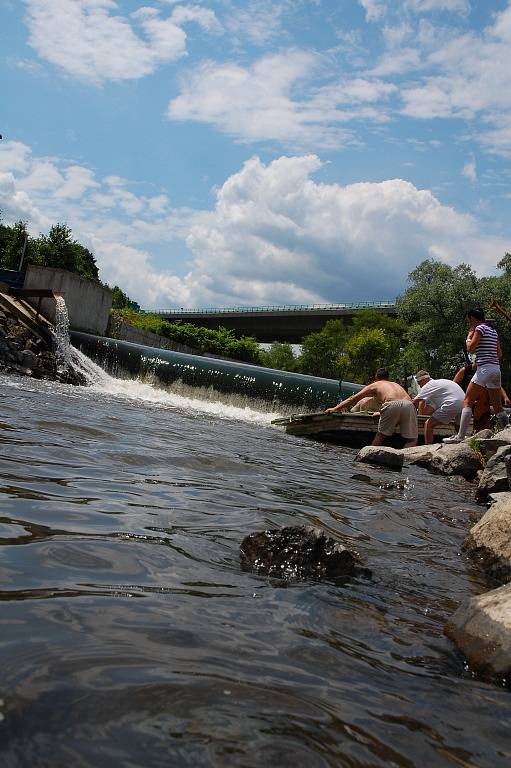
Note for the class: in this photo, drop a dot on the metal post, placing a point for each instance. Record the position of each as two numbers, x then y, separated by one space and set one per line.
23 253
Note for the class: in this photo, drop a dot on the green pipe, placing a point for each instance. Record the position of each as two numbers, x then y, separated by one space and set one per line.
118 357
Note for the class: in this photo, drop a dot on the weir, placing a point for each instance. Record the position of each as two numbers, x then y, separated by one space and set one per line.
226 376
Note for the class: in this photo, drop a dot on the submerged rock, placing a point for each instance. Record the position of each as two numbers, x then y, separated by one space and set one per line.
296 552
481 628
489 541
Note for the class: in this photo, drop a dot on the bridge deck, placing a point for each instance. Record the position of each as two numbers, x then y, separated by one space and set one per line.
275 323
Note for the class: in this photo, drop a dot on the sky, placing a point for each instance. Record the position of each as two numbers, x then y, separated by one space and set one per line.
256 152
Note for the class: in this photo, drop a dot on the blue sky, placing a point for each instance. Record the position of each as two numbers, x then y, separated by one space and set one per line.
230 152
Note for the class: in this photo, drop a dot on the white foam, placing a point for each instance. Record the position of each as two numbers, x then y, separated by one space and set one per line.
211 402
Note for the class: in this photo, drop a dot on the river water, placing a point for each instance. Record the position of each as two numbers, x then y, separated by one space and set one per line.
129 635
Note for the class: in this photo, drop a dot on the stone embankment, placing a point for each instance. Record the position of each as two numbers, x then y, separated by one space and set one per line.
26 352
481 628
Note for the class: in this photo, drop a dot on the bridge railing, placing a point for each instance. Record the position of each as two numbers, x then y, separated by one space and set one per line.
277 308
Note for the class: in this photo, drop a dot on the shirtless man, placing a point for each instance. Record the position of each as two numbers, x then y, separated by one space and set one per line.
397 408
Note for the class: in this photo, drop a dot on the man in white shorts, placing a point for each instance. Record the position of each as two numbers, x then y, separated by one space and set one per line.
440 399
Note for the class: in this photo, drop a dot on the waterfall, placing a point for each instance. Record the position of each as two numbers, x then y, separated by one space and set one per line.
61 335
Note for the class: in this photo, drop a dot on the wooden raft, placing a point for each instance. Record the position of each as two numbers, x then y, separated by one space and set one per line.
347 428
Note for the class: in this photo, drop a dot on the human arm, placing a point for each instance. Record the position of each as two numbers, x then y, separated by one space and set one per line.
459 376
473 339
364 392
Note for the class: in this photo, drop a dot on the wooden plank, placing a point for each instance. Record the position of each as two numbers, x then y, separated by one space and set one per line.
356 424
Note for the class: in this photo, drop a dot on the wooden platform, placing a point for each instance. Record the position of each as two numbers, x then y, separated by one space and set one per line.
352 429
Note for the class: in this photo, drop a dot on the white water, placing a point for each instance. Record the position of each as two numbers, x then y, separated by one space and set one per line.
200 401
63 345
135 390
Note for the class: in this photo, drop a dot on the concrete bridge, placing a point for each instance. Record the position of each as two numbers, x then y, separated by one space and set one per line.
278 323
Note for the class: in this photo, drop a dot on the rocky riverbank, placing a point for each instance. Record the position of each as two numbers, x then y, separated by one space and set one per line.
26 351
481 627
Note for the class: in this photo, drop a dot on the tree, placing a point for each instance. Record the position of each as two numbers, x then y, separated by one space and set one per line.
434 309
57 248
322 352
366 351
279 356
120 300
12 242
85 263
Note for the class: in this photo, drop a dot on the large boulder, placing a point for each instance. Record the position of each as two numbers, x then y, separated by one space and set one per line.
490 445
452 459
494 477
382 456
296 552
489 541
481 629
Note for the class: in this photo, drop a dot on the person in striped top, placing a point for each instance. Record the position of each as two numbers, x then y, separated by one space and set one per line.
484 341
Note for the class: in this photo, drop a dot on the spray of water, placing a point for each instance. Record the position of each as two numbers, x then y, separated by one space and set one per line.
62 343
196 400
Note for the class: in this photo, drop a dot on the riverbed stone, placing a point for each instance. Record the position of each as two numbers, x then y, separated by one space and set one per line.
381 455
451 459
481 628
296 552
489 541
494 477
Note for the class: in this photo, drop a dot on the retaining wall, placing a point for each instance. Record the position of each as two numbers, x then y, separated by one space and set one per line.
88 303
148 338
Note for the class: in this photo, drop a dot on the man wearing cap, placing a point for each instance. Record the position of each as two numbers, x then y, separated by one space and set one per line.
440 399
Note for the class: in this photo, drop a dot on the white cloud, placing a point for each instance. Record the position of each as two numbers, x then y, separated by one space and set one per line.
472 81
14 156
77 181
375 9
259 21
469 170
274 234
259 103
397 62
102 44
275 227
425 6
473 76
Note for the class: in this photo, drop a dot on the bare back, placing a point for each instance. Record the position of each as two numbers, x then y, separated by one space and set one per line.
386 390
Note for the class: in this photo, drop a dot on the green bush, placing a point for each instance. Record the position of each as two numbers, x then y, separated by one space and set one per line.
206 340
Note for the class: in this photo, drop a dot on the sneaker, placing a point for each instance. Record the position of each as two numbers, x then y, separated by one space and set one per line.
453 439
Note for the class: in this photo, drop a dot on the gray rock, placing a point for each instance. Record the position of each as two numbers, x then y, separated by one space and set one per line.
492 443
489 541
420 453
452 459
494 477
28 359
507 464
481 629
381 455
296 552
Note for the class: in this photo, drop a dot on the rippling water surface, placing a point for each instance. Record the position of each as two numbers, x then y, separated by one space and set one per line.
129 636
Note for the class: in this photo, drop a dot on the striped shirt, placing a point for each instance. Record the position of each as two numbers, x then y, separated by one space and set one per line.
486 350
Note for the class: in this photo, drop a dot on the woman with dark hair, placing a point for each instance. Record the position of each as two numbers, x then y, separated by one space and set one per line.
484 341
